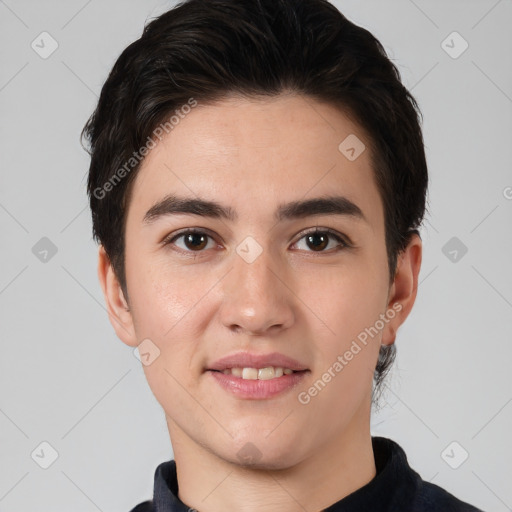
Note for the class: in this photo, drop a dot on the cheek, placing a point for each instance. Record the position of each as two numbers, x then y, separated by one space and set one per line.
169 308
167 311
162 297
350 299
348 351
174 387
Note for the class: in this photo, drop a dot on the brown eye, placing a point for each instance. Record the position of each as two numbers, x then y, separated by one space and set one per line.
192 241
195 241
318 240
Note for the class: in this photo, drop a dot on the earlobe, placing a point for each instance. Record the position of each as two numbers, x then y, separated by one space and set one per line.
403 289
118 309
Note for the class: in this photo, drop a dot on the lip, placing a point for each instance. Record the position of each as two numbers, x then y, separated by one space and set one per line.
250 360
257 389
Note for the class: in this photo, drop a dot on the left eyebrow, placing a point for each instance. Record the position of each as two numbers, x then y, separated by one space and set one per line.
330 205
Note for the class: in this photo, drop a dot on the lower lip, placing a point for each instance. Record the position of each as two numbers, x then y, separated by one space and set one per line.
256 389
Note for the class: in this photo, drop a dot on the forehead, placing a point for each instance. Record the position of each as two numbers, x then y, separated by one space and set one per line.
267 150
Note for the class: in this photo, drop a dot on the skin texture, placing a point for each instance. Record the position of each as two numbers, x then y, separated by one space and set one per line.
310 304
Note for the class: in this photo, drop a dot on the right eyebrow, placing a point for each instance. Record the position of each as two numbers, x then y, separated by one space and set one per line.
173 204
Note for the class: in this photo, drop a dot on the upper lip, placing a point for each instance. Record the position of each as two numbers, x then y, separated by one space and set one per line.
248 360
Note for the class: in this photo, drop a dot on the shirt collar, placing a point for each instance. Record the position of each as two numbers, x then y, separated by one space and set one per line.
393 487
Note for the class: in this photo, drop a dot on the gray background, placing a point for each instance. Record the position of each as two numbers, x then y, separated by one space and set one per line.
66 379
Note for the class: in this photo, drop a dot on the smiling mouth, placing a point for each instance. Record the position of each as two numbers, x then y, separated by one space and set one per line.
267 373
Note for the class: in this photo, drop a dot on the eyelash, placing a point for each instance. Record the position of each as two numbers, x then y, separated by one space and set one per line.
343 244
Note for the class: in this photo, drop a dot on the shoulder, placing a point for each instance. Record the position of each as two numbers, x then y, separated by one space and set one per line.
147 506
411 492
432 498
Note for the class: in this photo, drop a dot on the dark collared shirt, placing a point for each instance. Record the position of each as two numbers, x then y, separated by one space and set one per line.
395 488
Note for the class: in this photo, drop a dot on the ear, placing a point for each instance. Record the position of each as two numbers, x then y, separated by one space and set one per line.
117 307
402 293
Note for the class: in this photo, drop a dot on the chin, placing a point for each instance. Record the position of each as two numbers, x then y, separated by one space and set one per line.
260 452
271 461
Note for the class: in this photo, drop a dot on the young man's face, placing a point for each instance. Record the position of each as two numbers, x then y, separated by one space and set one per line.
255 283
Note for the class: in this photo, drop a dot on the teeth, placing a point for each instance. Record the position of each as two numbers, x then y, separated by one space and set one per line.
237 372
270 372
249 373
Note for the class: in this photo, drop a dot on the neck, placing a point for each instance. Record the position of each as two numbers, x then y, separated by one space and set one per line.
337 468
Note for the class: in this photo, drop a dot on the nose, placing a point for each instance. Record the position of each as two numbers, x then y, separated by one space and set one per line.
257 296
